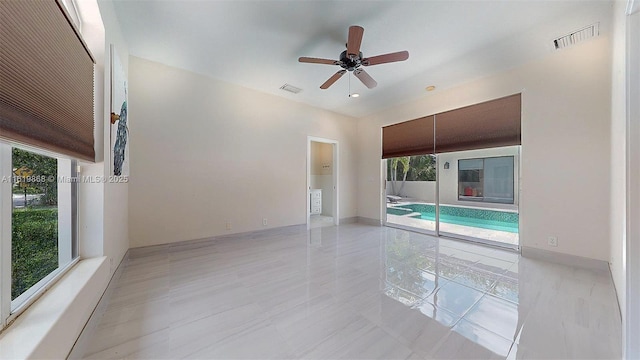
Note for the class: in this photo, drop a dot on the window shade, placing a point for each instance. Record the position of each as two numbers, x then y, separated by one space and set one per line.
490 124
46 79
414 137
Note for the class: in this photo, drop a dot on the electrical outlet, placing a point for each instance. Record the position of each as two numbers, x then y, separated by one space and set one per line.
264 221
228 225
553 241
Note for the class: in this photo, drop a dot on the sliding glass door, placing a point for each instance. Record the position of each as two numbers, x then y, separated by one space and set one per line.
478 193
456 173
411 192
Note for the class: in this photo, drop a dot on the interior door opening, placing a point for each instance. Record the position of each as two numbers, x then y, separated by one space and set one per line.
322 187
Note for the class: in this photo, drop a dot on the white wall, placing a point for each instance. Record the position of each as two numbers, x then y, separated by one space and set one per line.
618 156
116 194
565 145
103 208
207 152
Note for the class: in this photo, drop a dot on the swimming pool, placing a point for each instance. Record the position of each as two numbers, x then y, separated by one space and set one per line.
480 218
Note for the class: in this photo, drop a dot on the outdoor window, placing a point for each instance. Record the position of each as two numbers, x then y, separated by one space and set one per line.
486 179
38 223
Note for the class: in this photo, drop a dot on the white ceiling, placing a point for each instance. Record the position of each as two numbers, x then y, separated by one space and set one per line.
257 43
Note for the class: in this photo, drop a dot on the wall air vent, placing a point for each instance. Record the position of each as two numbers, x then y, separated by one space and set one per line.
577 36
290 88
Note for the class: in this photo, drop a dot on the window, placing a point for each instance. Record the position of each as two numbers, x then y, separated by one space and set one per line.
486 179
38 223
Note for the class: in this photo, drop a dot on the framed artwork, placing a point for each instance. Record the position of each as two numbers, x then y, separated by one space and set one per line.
119 128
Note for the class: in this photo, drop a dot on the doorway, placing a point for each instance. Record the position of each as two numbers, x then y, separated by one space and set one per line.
322 182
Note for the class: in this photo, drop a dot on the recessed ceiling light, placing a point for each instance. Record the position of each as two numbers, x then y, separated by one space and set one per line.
431 88
354 95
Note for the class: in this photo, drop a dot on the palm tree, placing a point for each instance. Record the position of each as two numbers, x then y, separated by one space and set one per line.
404 161
422 168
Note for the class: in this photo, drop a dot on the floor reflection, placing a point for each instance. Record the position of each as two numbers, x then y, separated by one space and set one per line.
468 293
477 302
353 292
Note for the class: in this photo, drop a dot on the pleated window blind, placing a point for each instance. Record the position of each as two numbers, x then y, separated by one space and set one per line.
414 137
46 79
489 124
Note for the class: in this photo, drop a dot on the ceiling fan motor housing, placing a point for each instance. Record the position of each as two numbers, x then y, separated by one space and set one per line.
352 60
348 63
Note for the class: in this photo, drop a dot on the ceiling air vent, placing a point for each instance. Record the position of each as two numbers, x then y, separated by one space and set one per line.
290 88
577 36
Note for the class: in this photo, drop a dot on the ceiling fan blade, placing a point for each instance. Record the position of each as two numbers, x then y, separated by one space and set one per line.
318 61
332 79
355 40
386 58
366 79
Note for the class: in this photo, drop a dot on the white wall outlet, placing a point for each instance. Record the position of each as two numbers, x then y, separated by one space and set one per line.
264 221
228 225
553 241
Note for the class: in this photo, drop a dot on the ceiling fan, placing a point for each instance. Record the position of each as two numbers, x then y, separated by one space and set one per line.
352 60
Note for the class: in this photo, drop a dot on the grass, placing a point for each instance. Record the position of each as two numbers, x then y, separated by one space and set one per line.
34 247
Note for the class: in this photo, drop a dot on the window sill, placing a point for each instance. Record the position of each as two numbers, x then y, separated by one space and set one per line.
51 325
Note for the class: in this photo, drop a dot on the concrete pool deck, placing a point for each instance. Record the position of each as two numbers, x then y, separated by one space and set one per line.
467 231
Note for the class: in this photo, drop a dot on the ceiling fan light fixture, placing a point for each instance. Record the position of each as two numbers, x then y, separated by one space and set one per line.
352 60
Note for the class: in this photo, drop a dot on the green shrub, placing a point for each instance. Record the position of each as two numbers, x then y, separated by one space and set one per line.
34 247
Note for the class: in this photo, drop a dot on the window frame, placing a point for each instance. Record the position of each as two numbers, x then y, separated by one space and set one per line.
482 199
11 308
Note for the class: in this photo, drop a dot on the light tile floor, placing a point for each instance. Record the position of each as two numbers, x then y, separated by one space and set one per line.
316 221
353 291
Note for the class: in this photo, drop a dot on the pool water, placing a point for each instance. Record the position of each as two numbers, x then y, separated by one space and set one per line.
480 218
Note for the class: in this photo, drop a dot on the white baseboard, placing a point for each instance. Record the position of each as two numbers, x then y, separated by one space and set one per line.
564 259
349 220
369 221
151 249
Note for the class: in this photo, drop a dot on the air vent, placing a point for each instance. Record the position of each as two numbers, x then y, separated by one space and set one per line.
290 88
575 37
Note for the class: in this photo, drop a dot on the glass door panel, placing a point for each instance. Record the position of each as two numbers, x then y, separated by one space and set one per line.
411 192
478 195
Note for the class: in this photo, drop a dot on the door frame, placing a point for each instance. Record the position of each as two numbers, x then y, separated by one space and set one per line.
631 321
335 177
